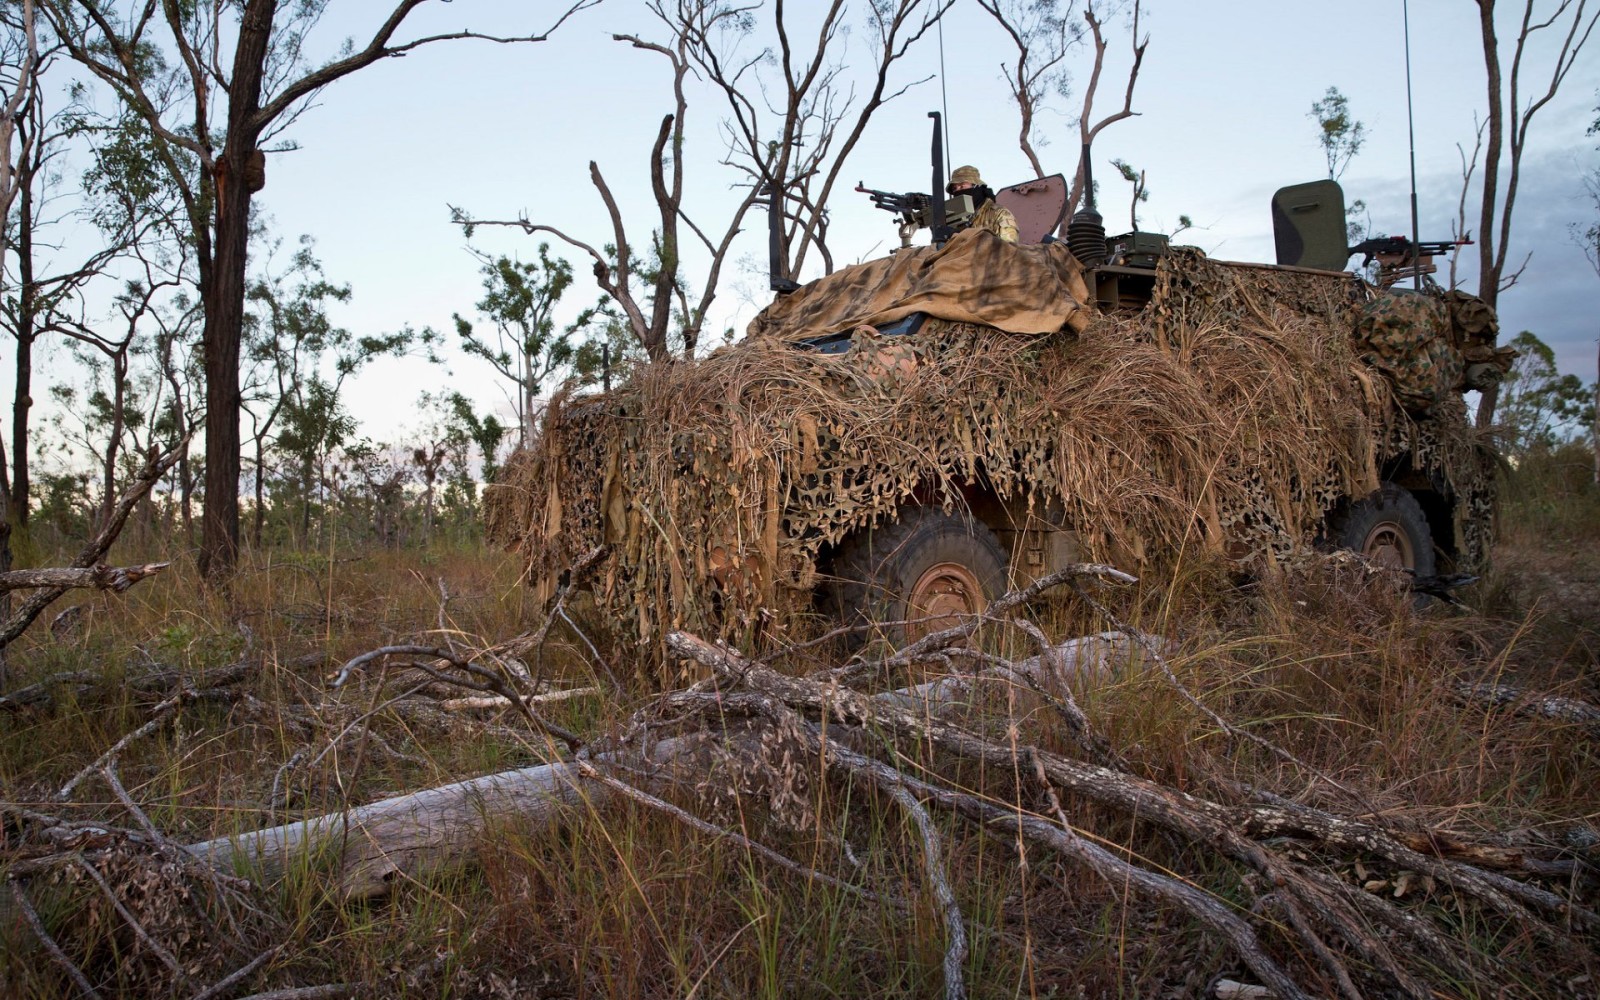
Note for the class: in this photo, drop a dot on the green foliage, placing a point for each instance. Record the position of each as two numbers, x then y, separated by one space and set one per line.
300 360
1141 193
1357 221
520 300
126 185
487 432
1341 135
1541 408
63 506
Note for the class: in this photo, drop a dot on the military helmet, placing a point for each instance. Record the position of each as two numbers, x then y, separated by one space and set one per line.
965 175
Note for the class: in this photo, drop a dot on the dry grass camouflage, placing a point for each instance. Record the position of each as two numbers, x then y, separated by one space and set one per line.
1230 415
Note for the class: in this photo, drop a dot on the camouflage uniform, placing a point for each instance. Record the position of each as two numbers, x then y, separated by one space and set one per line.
997 220
989 215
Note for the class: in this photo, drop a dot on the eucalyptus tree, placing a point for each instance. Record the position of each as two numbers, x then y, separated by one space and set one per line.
214 124
527 346
299 360
1044 33
1565 26
1539 406
1341 136
74 172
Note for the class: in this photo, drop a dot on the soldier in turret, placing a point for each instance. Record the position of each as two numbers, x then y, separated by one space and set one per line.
987 214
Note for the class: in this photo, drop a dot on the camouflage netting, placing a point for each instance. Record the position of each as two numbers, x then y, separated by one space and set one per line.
975 278
1231 414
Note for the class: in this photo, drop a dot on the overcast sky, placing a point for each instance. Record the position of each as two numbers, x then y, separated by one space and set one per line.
1223 101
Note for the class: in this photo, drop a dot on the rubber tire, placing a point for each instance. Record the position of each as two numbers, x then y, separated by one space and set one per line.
1393 508
875 571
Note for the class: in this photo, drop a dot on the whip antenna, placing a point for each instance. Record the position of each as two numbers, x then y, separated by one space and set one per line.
944 100
1411 128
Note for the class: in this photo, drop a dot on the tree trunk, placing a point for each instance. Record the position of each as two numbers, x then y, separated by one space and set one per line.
119 392
1488 274
27 307
224 294
259 515
186 496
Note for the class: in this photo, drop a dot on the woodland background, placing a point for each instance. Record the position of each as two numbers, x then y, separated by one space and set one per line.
181 391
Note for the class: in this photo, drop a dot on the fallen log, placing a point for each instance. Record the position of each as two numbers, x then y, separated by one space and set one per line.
413 835
1090 657
1532 703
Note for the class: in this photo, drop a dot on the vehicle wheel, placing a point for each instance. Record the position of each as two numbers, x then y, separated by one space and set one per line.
1388 528
926 565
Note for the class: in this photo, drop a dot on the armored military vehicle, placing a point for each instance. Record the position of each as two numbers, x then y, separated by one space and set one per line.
909 436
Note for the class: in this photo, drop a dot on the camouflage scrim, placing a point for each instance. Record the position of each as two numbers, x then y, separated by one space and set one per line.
1407 336
1230 415
974 278
1474 328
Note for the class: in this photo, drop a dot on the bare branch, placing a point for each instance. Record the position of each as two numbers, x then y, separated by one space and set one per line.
1087 132
32 917
117 579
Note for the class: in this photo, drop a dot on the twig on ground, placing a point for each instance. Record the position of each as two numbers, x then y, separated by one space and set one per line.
158 716
486 681
593 650
327 991
40 692
955 955
228 982
525 643
644 798
280 792
1302 926
350 727
61 959
500 701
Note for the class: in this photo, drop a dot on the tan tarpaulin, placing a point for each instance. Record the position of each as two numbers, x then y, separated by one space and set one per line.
975 278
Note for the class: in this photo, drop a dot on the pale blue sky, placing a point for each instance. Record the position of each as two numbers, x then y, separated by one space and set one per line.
1223 97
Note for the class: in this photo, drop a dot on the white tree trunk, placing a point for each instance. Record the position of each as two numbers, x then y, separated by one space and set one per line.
411 836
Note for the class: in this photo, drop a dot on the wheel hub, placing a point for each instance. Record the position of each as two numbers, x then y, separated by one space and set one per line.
942 594
1387 545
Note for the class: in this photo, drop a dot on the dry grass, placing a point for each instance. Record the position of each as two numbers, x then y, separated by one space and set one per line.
625 902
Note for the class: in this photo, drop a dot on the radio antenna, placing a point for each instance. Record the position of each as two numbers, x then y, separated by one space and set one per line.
944 100
1411 128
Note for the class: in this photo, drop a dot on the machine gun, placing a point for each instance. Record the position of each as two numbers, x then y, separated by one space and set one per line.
915 210
1398 257
912 207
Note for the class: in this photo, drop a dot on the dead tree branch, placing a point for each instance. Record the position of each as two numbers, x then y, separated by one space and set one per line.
95 550
113 578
